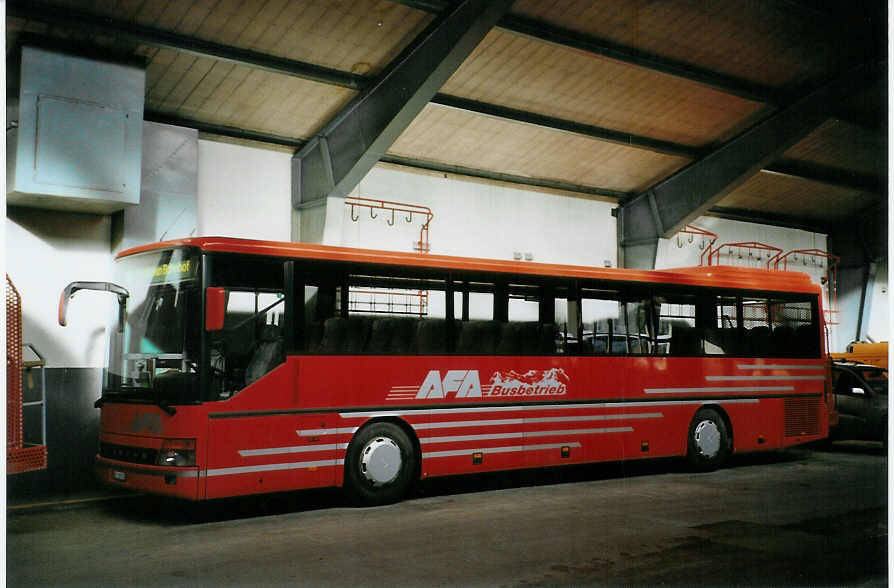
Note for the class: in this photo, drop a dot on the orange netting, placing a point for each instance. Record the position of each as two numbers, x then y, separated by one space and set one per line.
13 367
18 458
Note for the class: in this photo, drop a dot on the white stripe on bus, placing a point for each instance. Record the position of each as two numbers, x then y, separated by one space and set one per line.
507 449
297 449
325 432
519 421
767 377
524 407
522 434
719 389
272 467
765 366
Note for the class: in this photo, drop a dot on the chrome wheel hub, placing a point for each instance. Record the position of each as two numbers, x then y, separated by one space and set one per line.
707 438
380 461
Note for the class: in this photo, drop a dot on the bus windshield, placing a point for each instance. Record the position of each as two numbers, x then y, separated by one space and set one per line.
156 357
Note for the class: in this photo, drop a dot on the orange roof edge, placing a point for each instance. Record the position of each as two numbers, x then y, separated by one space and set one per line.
718 276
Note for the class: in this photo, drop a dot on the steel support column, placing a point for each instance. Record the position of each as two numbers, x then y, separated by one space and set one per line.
663 209
334 161
861 243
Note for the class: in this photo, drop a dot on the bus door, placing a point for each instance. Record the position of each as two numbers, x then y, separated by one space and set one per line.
258 439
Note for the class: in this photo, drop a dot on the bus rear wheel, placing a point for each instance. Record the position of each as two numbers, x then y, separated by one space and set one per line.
708 441
379 464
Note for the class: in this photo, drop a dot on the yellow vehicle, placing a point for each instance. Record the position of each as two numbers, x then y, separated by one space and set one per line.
866 353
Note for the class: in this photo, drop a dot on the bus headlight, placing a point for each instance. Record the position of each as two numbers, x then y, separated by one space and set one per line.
177 452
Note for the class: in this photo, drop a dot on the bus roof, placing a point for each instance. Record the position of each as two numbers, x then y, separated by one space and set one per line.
714 276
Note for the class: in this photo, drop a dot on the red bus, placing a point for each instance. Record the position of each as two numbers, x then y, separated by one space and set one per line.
239 367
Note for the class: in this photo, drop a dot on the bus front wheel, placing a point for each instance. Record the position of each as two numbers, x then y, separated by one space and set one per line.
708 441
379 464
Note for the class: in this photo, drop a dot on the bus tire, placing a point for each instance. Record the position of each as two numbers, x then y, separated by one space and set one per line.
379 464
708 443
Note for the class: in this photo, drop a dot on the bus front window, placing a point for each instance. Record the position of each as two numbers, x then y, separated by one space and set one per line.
155 358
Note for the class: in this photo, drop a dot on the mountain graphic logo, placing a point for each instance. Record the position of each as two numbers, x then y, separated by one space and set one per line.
551 382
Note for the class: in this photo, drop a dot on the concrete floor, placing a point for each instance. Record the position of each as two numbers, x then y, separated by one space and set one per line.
799 517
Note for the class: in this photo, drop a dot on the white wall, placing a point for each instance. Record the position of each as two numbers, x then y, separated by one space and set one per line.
880 312
671 254
45 251
483 220
243 192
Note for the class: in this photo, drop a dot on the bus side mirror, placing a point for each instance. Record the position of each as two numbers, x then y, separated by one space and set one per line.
215 308
119 291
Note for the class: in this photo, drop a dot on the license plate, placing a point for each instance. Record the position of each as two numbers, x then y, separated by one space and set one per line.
119 476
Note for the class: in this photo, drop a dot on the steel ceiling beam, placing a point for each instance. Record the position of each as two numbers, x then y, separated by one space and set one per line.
663 209
433 166
341 154
551 122
421 164
73 18
436 6
222 130
768 218
560 36
543 31
829 176
501 177
63 16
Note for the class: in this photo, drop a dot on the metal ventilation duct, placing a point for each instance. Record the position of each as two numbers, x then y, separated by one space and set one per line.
78 142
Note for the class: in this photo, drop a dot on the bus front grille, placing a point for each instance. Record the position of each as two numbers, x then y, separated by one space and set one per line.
141 455
802 416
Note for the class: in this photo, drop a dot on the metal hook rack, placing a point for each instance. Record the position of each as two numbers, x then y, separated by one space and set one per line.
409 209
705 245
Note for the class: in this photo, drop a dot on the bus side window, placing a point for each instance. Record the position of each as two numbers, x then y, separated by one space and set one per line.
250 344
756 323
566 322
601 320
679 331
723 336
641 322
793 330
520 334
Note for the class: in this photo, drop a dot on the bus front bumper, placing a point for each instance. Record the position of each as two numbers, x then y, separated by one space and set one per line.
178 482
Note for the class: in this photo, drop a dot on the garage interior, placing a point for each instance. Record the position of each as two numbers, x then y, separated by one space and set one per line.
641 134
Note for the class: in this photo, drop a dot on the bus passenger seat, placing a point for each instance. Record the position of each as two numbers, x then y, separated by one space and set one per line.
781 340
357 333
333 334
758 341
267 356
404 338
685 340
510 339
380 339
313 335
805 341
476 337
392 335
431 336
547 339
529 337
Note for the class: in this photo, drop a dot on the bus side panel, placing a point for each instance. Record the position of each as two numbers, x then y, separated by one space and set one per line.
754 394
269 453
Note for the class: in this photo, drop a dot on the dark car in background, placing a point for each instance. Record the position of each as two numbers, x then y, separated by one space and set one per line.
861 399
